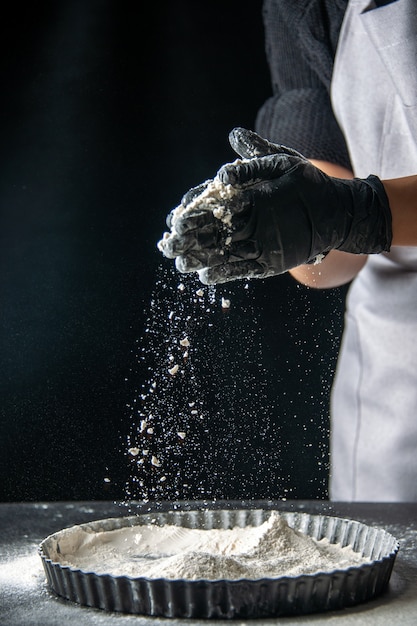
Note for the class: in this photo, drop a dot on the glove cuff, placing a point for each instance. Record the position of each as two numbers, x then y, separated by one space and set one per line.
370 230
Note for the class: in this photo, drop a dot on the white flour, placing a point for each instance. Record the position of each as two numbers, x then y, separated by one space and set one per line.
213 198
270 550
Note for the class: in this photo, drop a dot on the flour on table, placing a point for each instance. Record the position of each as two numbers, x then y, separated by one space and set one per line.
269 550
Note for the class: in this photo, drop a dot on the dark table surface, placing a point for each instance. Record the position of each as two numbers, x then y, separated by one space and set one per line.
26 599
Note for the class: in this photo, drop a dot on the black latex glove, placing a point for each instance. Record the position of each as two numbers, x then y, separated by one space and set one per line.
264 215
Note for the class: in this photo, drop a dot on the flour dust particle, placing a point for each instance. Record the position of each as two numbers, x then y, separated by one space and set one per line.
224 409
199 421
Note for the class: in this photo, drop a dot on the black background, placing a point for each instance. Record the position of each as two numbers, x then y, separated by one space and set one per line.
110 111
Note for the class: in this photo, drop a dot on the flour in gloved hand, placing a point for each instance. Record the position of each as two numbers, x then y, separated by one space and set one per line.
274 211
212 196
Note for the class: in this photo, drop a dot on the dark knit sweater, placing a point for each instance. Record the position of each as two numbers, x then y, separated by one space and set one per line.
301 39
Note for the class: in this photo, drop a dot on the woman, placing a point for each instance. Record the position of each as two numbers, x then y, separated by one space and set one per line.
345 98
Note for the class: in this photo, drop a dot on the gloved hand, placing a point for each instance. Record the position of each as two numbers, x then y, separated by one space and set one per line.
263 215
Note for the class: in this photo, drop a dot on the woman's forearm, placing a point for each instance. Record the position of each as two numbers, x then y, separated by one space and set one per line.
338 268
402 196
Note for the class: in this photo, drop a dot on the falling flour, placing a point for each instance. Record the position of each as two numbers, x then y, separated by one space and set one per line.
270 550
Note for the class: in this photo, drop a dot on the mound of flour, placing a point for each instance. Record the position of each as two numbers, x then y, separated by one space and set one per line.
269 550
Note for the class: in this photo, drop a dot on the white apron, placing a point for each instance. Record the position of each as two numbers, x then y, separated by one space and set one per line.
374 397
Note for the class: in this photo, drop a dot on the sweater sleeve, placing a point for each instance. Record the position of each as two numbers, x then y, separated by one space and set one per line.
300 40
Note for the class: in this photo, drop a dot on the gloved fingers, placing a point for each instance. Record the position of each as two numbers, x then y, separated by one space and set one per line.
194 192
231 217
256 170
199 219
231 271
198 259
205 253
248 144
174 244
170 218
187 199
